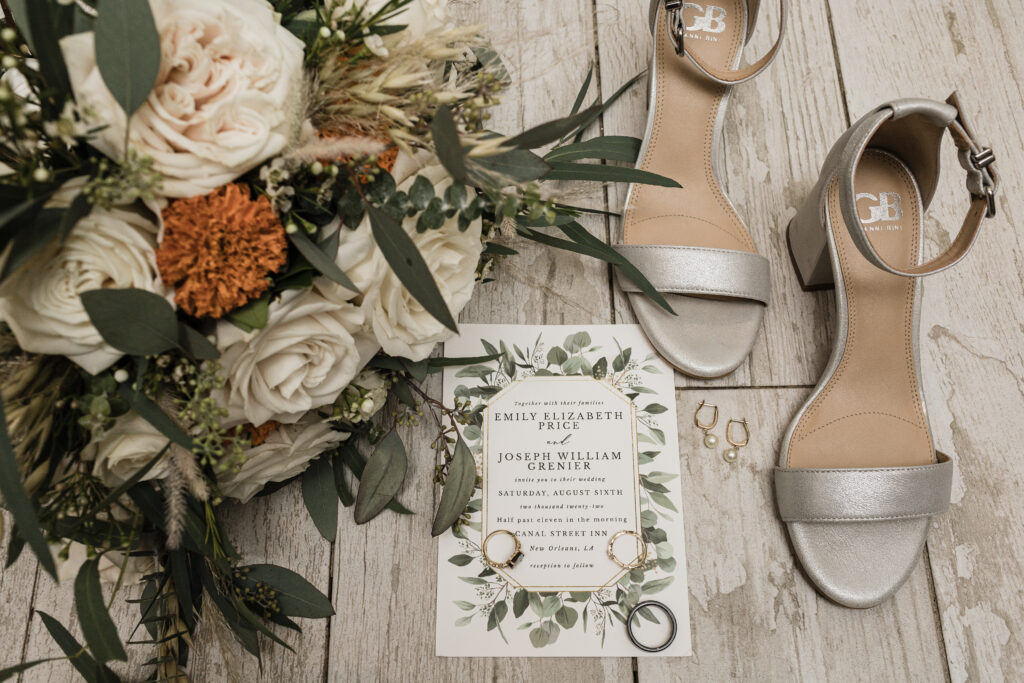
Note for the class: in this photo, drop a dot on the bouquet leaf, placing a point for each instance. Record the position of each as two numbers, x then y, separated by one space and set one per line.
44 24
520 165
552 130
79 658
97 626
607 174
252 316
584 89
127 51
195 344
448 144
319 259
296 597
404 258
46 227
354 461
134 321
610 147
152 413
608 103
16 500
383 476
318 493
458 489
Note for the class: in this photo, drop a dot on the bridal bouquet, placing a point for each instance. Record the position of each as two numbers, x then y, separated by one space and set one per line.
231 233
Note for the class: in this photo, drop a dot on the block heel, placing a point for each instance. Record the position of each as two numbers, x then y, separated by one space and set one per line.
808 247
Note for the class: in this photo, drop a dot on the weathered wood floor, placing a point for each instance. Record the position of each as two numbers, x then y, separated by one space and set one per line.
754 616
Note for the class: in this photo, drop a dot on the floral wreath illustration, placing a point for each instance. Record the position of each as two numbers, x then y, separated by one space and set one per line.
546 614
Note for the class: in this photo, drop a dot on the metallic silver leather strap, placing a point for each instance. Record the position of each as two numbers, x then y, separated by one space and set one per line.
699 271
676 27
982 179
863 495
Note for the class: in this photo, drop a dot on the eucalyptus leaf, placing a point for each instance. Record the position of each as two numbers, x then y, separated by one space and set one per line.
296 597
127 51
584 89
76 653
382 478
607 174
134 321
407 263
609 102
448 143
16 500
197 346
520 601
609 147
519 165
252 316
80 208
324 264
93 617
44 22
552 130
458 489
29 240
320 497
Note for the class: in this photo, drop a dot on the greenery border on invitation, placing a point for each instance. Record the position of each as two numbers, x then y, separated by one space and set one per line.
547 614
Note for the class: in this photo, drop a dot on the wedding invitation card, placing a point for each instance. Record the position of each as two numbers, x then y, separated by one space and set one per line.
574 434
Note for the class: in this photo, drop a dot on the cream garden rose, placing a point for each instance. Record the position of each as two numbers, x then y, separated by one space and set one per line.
225 100
286 453
108 249
400 323
312 347
125 449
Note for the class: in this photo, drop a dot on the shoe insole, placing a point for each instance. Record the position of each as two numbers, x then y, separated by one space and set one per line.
870 413
685 108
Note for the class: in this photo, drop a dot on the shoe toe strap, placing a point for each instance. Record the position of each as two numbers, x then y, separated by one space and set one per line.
863 495
699 271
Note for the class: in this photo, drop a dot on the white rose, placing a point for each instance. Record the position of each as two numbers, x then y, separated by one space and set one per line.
125 449
312 347
225 100
108 249
138 567
286 453
400 323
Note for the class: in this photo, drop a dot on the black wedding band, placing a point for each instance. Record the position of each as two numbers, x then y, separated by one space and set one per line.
671 618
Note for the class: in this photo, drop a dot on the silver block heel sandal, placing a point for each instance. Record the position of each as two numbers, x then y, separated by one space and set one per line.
858 477
689 242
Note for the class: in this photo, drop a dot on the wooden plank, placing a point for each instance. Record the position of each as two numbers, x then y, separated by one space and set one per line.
777 132
754 617
16 586
277 530
973 314
385 572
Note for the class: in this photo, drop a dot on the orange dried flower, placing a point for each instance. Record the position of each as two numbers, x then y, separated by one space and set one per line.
258 435
218 250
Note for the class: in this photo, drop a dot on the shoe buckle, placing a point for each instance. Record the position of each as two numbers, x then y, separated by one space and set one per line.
676 26
983 158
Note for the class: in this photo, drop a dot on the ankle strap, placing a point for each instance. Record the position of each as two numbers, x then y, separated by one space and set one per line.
978 161
676 27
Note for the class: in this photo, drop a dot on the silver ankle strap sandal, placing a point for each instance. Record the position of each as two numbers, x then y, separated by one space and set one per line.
858 477
689 242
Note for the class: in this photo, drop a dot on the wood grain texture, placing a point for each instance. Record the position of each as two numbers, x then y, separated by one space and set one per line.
753 615
17 584
777 132
973 360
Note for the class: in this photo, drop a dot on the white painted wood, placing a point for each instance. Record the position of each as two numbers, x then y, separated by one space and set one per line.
16 585
971 326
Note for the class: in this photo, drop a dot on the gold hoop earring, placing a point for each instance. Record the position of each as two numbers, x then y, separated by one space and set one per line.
733 454
710 440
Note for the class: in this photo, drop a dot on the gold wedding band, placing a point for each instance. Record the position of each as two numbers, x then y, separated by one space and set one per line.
640 559
517 553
